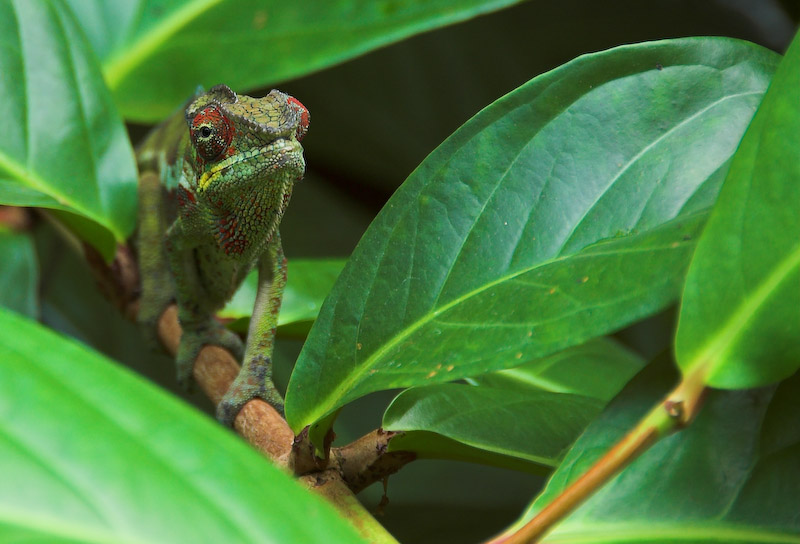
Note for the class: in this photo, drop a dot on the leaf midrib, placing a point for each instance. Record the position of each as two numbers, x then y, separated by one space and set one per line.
32 180
118 66
712 354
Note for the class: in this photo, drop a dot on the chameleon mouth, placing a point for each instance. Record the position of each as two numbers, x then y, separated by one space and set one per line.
281 152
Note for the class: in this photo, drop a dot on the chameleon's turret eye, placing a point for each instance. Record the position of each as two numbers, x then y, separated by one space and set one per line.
303 115
211 133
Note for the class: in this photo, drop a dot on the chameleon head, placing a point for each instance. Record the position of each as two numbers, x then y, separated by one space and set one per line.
246 149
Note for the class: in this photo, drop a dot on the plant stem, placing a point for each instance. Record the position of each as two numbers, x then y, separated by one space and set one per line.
675 412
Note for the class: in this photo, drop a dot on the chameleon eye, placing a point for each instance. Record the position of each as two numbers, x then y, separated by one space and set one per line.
211 133
302 114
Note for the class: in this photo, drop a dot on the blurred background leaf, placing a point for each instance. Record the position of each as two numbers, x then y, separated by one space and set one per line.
154 53
64 146
124 462
309 281
19 274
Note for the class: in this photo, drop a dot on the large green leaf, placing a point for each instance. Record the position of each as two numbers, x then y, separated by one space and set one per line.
19 273
91 453
740 317
732 477
63 144
155 53
309 282
495 421
562 211
533 426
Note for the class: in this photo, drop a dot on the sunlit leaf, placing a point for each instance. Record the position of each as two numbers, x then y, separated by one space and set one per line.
63 145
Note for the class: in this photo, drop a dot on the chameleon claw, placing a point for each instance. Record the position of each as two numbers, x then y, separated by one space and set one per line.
254 381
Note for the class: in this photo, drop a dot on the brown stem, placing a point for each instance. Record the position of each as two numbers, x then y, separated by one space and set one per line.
675 412
367 460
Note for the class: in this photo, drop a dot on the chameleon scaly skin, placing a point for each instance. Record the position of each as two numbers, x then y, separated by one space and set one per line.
230 162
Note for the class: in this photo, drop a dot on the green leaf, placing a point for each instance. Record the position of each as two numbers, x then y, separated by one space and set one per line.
740 314
563 211
597 369
513 418
155 53
19 274
63 145
535 426
309 281
732 476
92 453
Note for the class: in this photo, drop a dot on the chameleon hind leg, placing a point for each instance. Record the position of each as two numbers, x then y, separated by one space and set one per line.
158 290
255 378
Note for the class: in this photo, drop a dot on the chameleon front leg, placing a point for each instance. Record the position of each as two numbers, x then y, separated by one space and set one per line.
196 308
255 378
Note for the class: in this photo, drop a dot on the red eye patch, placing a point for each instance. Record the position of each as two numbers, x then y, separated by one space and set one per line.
211 133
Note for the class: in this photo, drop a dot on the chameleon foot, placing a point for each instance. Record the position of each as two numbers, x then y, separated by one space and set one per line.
193 340
254 380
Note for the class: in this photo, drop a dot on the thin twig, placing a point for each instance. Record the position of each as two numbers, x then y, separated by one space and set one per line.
675 412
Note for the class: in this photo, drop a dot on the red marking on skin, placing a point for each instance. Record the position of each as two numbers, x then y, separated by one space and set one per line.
229 238
185 199
305 117
185 196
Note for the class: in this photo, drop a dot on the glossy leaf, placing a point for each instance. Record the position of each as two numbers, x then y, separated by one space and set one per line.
155 53
740 315
535 426
528 415
732 476
19 273
597 369
92 453
563 211
309 281
63 145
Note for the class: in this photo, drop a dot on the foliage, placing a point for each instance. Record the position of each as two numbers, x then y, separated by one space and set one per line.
587 200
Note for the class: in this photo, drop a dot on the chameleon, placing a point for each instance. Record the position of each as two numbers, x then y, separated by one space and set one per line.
214 182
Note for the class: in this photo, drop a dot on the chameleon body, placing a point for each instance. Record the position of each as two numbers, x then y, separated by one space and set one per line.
215 180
